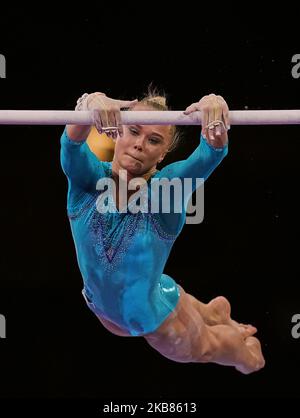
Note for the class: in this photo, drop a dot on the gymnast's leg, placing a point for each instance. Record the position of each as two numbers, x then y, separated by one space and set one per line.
114 329
109 325
185 337
216 312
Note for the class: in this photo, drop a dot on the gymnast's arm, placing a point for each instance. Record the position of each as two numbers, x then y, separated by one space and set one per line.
80 165
200 164
77 132
82 169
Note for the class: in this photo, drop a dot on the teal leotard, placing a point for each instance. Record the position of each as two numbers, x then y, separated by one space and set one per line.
121 255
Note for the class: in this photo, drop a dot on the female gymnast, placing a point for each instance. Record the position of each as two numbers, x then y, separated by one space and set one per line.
122 254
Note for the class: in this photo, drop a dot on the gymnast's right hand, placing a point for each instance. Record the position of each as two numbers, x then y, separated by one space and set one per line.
106 112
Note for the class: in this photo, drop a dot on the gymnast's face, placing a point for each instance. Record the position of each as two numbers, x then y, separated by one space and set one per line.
141 147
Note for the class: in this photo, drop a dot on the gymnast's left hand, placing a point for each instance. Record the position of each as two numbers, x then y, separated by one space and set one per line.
215 119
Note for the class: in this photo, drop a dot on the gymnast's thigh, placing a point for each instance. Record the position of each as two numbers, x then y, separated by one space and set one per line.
113 328
109 325
172 318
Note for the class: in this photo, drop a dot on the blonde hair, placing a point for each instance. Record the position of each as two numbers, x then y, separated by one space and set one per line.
158 101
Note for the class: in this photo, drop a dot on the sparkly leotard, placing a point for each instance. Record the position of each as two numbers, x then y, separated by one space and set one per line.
121 255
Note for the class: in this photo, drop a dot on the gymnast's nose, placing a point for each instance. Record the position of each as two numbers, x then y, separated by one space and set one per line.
138 143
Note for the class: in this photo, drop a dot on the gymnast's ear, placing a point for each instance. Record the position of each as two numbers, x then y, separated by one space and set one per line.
162 156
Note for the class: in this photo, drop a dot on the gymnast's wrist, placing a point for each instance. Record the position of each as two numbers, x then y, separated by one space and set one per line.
215 147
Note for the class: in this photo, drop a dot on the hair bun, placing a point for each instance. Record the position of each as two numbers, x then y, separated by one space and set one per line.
160 100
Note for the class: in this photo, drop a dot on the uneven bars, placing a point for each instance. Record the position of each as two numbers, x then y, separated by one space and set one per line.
64 117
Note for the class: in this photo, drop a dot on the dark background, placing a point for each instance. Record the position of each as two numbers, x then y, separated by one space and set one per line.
246 249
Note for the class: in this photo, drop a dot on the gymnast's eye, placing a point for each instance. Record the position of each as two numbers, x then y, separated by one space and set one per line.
154 140
134 131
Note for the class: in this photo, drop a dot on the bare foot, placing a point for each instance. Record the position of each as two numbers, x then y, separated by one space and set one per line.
219 313
258 362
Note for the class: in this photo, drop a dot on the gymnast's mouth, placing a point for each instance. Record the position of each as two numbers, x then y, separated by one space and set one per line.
135 158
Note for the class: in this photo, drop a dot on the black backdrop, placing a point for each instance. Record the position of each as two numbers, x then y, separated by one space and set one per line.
246 249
